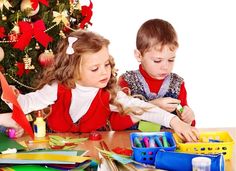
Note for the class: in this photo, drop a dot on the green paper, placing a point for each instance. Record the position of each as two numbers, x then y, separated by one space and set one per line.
121 159
31 167
145 126
6 142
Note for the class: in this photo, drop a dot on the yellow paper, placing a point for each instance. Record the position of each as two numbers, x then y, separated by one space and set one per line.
50 157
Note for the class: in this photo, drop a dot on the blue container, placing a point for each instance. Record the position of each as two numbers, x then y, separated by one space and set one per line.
175 161
147 155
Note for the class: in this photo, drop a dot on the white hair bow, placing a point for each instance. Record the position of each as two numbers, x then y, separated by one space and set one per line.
70 49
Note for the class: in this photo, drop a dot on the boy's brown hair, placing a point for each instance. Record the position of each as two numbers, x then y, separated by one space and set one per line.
156 32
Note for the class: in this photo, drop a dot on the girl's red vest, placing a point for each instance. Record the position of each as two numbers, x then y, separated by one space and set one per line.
96 117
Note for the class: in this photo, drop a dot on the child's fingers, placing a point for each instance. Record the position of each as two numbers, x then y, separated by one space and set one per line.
181 136
173 101
196 132
19 131
15 90
193 135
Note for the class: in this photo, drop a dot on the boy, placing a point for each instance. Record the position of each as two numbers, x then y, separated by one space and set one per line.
156 44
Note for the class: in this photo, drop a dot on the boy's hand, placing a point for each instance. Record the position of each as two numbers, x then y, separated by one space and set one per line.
186 132
166 103
187 115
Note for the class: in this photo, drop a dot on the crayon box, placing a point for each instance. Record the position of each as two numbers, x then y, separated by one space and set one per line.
146 145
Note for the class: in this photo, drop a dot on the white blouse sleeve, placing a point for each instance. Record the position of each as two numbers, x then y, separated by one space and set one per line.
39 99
153 113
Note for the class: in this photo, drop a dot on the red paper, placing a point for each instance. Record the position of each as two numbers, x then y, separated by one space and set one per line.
17 113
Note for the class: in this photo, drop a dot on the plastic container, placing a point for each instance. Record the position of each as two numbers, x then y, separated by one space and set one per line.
147 155
176 161
201 164
39 126
209 143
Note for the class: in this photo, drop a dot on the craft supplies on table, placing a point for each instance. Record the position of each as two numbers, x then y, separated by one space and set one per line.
178 161
209 143
144 150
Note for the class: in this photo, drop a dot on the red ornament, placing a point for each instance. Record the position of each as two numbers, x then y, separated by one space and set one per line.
87 13
21 69
46 58
13 37
2 32
66 28
95 136
2 70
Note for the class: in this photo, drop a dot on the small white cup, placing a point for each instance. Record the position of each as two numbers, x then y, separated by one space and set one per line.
201 164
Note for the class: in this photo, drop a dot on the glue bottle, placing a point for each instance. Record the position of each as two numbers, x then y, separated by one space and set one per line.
39 126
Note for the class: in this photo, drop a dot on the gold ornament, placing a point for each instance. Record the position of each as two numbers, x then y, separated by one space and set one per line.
62 34
60 17
78 6
37 47
15 29
4 3
26 7
1 54
27 61
4 18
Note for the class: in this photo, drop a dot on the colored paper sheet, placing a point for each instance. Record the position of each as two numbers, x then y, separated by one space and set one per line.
45 157
17 113
149 126
28 168
6 142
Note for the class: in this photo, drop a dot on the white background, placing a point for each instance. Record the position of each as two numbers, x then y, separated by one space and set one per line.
205 58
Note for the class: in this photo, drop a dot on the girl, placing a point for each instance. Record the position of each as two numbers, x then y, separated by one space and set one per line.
81 88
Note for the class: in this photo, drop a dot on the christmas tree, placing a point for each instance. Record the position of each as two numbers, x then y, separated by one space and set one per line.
29 33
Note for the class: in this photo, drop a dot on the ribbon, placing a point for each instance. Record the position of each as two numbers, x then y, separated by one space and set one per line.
70 49
35 3
4 3
87 12
17 113
60 17
28 31
21 69
2 32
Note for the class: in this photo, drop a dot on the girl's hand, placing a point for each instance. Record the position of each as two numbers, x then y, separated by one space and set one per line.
15 91
186 132
19 131
187 116
166 103
7 121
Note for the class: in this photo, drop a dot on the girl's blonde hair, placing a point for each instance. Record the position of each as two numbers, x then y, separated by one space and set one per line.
65 68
